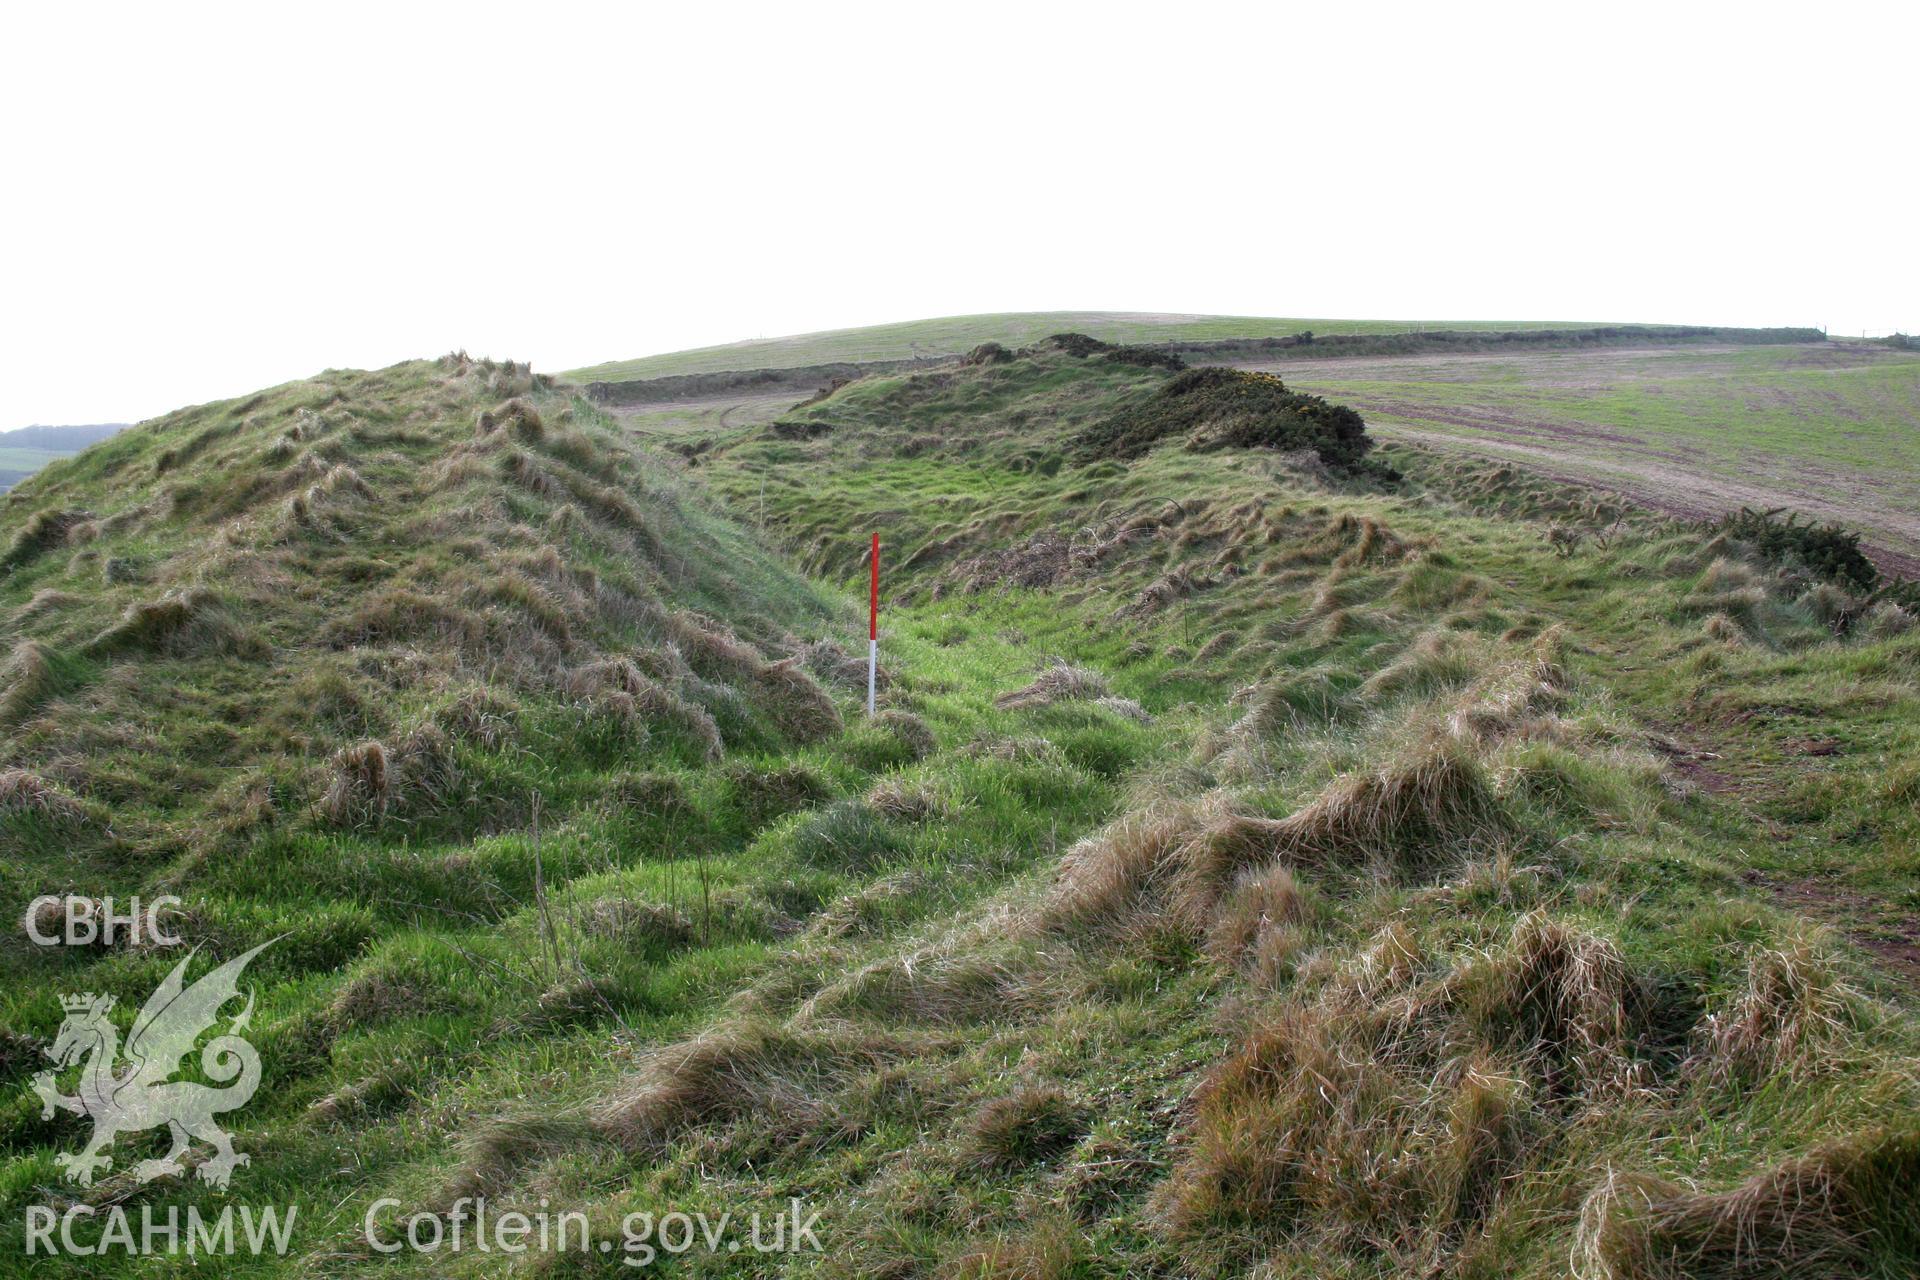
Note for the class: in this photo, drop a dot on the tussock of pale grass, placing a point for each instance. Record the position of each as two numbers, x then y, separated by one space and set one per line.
1261 901
1274 709
185 623
957 981
1725 629
792 699
1437 659
363 785
28 679
1561 997
738 1068
1845 1209
489 1161
47 600
832 663
1059 682
1102 879
619 687
479 716
1175 861
424 759
902 801
1384 1111
399 615
517 417
22 792
1047 1249
1793 1018
1414 812
649 927
1164 592
40 533
383 994
1519 697
1016 749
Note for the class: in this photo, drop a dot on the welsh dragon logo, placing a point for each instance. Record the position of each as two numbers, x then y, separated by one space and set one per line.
140 1095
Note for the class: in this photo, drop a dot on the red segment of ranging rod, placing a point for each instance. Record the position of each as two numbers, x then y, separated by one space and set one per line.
873 622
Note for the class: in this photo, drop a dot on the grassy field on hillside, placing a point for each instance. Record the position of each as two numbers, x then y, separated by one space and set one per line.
955 335
1261 865
1832 430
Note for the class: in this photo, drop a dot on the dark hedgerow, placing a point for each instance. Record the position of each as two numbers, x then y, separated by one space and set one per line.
1082 347
1219 408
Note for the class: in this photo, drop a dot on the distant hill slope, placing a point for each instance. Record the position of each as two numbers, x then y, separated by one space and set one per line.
59 439
951 335
27 449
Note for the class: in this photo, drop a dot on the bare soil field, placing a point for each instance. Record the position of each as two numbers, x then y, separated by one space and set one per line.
687 421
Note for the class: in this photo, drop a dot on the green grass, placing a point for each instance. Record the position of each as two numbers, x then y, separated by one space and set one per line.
1293 876
954 335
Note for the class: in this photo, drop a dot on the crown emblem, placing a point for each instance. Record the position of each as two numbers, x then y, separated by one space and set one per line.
85 1002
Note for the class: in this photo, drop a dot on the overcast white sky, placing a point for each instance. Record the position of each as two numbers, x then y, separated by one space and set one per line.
201 201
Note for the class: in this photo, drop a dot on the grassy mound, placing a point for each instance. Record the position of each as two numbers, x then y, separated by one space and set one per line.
1249 872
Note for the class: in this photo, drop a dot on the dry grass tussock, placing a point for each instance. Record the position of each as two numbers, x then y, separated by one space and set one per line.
903 801
619 687
1175 861
781 1076
913 734
1388 1110
1348 541
829 661
982 972
41 532
1059 682
1030 1124
27 793
26 680
1047 559
191 622
1437 659
1171 587
1288 704
1794 1018
362 786
793 700
1727 589
1520 697
1837 1211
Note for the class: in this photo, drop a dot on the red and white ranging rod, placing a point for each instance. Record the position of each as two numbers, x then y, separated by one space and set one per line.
873 624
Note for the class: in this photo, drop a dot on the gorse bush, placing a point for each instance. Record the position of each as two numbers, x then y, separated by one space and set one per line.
1824 549
1218 408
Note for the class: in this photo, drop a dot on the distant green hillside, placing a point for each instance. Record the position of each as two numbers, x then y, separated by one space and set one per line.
951 335
26 450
